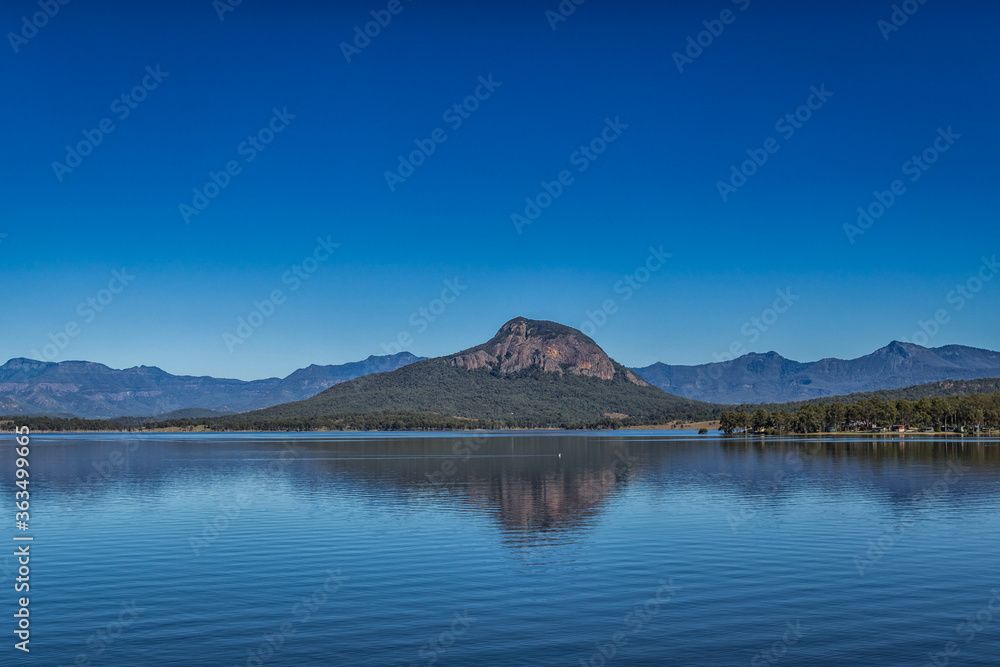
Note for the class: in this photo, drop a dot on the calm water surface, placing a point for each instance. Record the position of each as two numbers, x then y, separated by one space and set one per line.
641 548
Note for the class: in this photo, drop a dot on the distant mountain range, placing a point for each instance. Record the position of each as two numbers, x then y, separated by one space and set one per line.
943 389
95 391
532 373
770 378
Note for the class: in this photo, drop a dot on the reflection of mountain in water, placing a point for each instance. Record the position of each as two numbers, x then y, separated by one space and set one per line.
529 485
534 486
547 503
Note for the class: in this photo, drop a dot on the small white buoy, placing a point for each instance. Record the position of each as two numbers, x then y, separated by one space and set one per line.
560 454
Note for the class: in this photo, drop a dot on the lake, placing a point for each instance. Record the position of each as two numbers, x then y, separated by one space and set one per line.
617 548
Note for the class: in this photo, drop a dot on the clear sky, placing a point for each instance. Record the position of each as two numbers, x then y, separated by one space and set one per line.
600 100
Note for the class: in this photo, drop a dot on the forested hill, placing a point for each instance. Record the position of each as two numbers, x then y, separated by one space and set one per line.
944 389
530 374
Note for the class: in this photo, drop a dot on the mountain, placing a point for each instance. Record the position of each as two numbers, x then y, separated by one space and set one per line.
96 391
531 373
944 389
770 378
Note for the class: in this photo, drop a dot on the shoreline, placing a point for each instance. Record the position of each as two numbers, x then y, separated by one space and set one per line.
713 431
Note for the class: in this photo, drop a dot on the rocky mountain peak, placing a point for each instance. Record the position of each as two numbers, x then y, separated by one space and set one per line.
522 344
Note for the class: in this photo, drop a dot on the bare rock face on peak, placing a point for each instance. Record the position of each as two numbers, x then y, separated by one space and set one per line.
531 374
523 344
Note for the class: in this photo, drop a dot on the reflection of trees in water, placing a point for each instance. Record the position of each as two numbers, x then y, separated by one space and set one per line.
974 451
894 470
547 487
534 487
551 485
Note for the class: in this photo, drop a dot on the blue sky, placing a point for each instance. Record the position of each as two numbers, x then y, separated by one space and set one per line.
608 68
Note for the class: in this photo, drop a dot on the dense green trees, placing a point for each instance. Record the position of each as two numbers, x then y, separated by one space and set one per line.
973 411
863 414
380 421
70 424
528 398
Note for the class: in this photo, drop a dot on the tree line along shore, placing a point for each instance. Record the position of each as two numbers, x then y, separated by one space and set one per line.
973 413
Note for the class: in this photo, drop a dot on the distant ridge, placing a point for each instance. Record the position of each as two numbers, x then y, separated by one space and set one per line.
532 373
944 389
95 391
523 351
771 378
